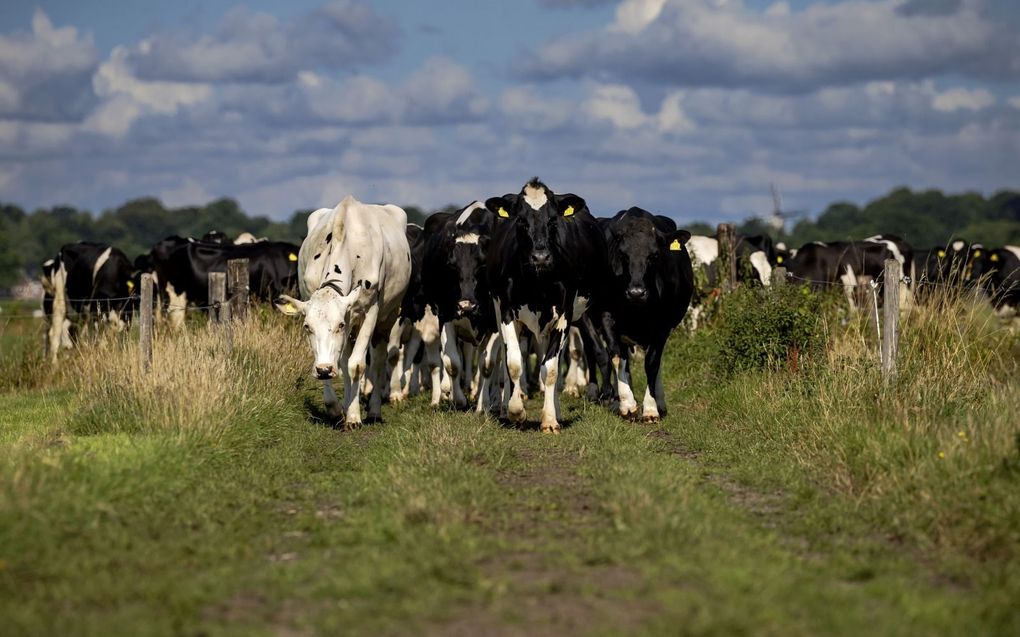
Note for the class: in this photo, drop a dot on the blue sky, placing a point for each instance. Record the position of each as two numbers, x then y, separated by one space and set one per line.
686 107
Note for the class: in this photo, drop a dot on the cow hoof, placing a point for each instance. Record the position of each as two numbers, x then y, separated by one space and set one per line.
352 425
396 398
650 418
551 427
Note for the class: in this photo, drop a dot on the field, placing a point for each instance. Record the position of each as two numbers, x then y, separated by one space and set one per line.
793 496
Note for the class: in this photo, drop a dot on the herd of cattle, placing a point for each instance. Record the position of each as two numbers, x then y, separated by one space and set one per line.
461 305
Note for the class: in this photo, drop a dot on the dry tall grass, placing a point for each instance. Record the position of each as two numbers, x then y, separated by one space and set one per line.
199 384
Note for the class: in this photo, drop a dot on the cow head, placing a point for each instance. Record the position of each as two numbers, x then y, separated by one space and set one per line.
467 259
537 215
636 247
327 323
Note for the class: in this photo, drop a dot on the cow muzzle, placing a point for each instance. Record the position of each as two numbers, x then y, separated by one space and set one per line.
541 259
637 294
466 307
325 372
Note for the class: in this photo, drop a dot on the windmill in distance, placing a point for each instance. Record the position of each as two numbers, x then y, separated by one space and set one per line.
777 220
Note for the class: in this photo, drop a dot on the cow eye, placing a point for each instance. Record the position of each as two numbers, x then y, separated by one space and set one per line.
308 328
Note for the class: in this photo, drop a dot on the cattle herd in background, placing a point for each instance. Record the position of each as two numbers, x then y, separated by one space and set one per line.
460 307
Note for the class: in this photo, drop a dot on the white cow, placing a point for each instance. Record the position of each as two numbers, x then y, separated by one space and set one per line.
353 270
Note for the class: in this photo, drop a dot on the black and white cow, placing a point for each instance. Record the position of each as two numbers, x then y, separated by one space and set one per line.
182 266
846 263
355 264
650 290
457 288
86 280
546 261
754 266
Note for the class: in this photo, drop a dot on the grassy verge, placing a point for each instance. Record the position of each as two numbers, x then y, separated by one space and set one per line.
207 498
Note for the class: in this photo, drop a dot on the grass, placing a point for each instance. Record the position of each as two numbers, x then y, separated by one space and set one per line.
210 498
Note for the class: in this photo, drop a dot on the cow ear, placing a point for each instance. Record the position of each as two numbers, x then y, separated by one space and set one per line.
677 240
503 207
289 306
570 204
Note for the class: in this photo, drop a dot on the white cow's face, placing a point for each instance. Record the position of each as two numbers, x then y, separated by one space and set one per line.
327 325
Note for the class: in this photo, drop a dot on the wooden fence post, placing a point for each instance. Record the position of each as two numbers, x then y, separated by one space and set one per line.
217 295
891 301
145 324
726 235
778 277
237 285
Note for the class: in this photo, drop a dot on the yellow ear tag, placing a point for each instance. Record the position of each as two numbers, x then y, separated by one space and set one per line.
942 253
675 246
779 259
290 307
503 213
292 257
569 211
977 253
994 257
131 285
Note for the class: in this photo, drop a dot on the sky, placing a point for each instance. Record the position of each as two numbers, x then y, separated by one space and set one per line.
689 108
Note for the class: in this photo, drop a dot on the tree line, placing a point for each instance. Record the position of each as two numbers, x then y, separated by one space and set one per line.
924 218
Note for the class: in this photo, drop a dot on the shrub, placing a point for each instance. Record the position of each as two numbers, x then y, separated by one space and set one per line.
760 327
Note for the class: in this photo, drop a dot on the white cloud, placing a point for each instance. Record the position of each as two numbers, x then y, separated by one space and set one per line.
44 75
1014 101
963 99
684 43
188 192
617 104
125 98
260 48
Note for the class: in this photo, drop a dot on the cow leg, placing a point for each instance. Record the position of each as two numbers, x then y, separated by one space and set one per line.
428 327
550 370
489 357
409 369
849 281
452 366
467 359
331 401
515 368
524 346
654 405
596 358
394 359
628 406
574 354
356 366
377 371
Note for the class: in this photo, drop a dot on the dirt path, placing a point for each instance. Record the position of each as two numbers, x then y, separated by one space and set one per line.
537 585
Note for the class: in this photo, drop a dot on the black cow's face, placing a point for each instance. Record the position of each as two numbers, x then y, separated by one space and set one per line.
468 260
538 216
636 248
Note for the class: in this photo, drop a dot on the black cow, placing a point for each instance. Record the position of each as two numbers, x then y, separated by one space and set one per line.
85 280
546 262
182 267
457 288
215 236
843 262
943 266
650 290
998 272
414 327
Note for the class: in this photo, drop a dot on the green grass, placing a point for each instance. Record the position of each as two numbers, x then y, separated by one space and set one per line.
768 502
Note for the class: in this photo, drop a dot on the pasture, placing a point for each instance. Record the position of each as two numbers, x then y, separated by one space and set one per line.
212 497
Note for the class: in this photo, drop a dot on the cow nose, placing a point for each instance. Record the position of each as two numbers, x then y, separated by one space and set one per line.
325 372
466 306
637 293
541 258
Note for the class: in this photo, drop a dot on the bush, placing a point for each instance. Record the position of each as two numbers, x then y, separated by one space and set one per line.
765 328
